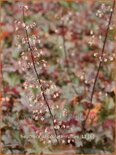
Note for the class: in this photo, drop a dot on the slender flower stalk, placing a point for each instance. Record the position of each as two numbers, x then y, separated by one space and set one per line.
41 87
99 66
67 66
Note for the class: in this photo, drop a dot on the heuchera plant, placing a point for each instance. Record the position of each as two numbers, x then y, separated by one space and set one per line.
59 92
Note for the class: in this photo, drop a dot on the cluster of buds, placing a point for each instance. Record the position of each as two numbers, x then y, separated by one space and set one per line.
105 57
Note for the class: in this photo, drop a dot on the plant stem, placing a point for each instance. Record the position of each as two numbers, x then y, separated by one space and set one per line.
41 87
99 65
67 65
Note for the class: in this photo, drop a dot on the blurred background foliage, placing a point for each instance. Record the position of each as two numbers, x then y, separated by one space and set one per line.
69 37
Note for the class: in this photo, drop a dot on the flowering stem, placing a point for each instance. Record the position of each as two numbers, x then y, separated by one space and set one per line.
41 87
99 65
67 66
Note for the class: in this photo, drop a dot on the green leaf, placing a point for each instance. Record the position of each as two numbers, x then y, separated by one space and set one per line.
12 78
110 103
111 34
75 6
15 54
35 90
64 4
